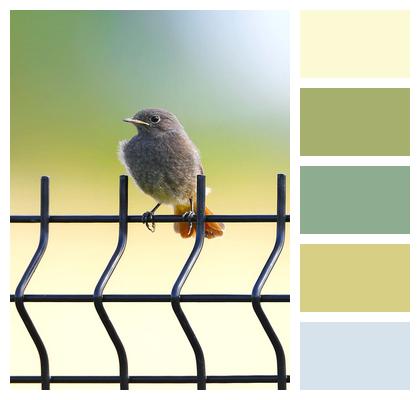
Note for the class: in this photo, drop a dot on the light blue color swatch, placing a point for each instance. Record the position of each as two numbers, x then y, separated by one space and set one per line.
355 355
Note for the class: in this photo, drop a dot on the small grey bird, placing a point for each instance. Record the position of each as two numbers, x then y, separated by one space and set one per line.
164 163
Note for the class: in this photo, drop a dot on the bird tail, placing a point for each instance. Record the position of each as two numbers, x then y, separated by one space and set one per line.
212 229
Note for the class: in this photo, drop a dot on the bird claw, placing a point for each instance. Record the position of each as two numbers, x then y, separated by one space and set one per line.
147 218
188 217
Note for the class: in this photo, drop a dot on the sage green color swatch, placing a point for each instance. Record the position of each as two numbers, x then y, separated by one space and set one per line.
355 122
355 200
354 277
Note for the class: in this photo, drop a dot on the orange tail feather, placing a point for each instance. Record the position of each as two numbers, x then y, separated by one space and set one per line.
212 229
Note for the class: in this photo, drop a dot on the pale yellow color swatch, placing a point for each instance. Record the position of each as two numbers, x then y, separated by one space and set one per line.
355 44
355 277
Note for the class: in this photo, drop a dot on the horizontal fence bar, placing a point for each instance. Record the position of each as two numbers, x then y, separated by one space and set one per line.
151 379
152 298
139 218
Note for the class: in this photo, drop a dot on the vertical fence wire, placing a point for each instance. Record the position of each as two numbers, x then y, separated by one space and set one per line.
21 287
179 283
259 284
106 275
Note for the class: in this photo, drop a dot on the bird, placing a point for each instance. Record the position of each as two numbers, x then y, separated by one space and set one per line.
164 163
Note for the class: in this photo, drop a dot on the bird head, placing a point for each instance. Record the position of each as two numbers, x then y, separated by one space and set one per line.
154 121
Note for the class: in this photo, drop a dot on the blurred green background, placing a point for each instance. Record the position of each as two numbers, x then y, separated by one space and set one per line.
74 76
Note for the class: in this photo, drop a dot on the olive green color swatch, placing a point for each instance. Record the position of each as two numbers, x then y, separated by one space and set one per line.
355 277
355 200
355 122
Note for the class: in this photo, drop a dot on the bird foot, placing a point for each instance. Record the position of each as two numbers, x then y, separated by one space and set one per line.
188 217
147 218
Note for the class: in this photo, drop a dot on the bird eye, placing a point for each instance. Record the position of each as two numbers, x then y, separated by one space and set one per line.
155 119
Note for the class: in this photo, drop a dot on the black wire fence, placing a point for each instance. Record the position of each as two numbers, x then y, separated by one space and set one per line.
201 379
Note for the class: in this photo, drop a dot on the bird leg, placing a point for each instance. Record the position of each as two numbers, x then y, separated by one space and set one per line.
188 216
148 218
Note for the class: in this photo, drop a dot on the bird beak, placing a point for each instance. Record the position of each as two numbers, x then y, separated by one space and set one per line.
135 121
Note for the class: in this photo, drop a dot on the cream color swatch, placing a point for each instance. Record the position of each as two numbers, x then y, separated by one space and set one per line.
355 44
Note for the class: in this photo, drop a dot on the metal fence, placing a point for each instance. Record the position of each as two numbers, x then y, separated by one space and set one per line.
175 297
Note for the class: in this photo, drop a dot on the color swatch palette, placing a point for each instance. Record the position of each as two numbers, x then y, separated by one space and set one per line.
354 200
